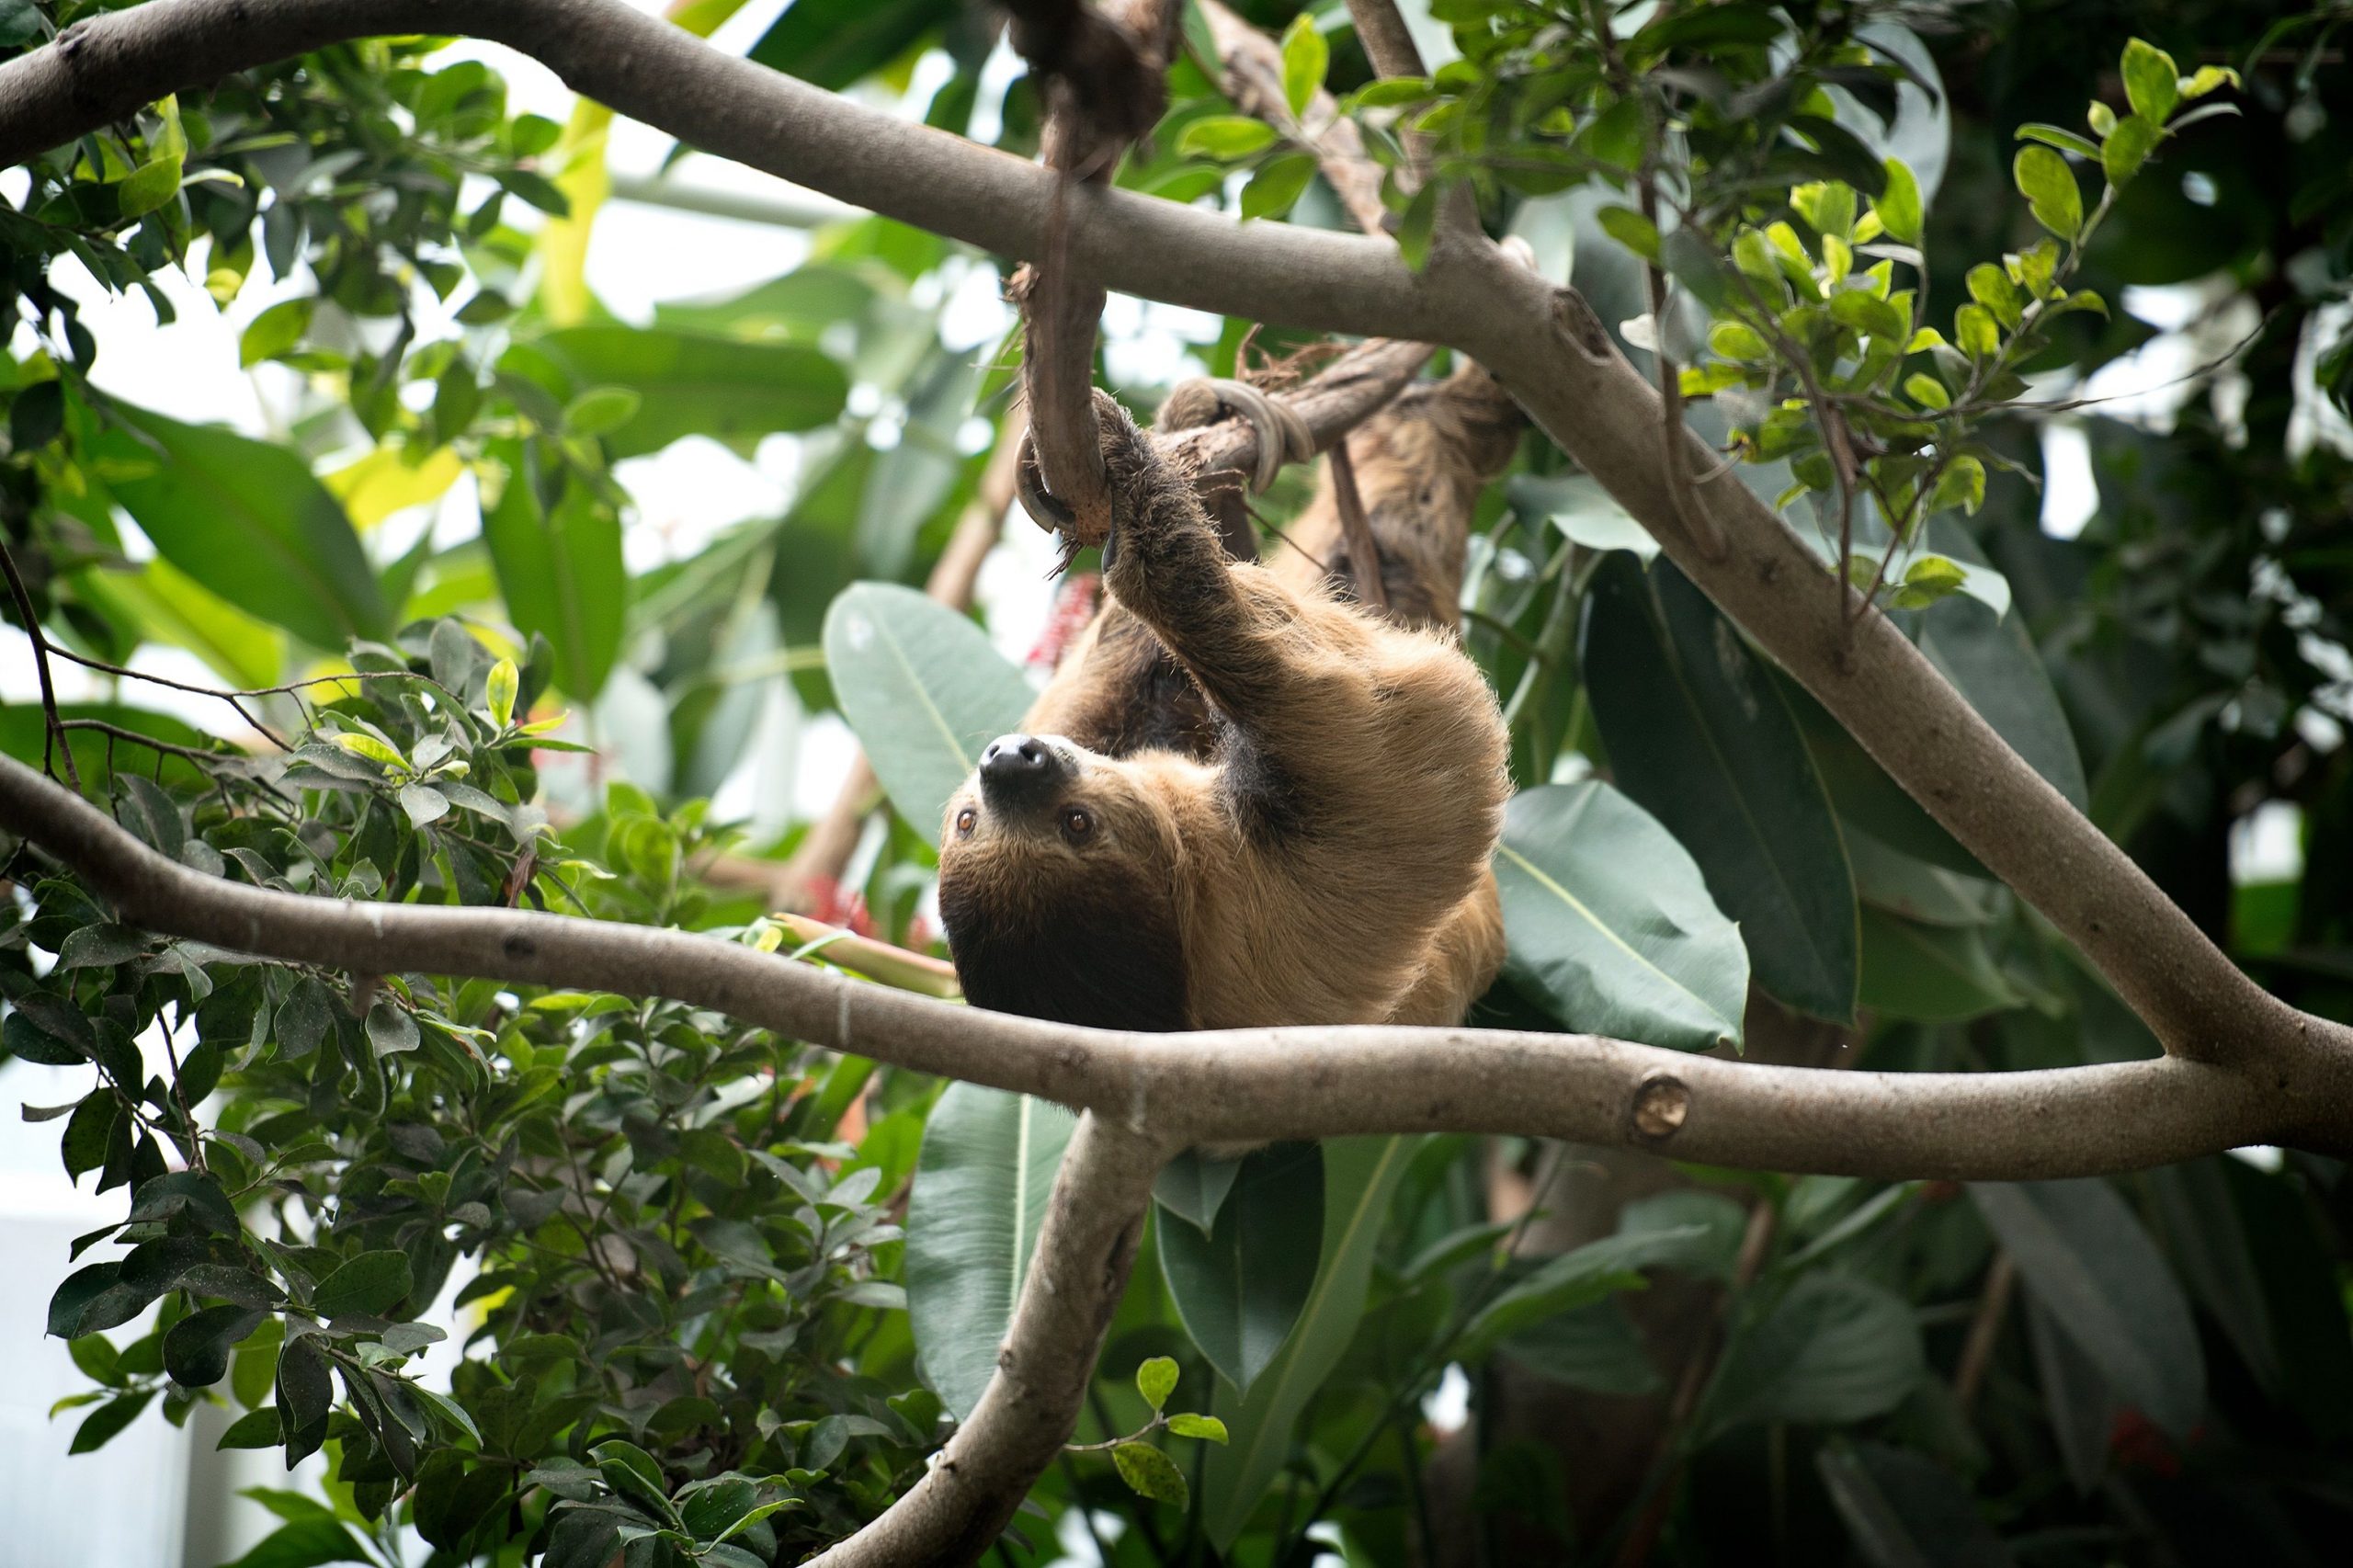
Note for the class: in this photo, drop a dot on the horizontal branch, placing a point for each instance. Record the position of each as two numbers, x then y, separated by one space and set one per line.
1249 1085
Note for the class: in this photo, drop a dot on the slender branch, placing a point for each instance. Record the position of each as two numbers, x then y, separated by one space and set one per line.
1364 551
1984 1331
1263 1084
53 734
1387 41
1084 1251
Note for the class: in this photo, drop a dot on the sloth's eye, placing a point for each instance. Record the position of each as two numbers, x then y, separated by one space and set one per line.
1077 824
965 821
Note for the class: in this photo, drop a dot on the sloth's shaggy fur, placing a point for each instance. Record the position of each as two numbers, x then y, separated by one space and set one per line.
1261 802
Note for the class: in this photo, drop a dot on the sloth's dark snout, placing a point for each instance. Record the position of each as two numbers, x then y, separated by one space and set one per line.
1021 770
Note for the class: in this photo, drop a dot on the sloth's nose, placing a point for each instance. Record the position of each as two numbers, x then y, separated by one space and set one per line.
1020 769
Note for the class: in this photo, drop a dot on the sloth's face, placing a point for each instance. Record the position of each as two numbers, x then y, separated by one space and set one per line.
1057 871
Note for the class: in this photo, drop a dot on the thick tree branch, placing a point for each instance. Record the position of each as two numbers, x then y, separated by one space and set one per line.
1251 1084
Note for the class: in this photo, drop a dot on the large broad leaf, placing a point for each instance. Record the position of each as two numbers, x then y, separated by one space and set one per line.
1577 1278
1360 1174
166 605
246 519
2207 1240
1993 661
688 384
1610 927
2082 1252
1239 1288
1917 889
559 568
833 43
1903 1510
924 690
2080 1405
1864 794
1698 733
1935 974
980 1187
1834 1348
1595 1347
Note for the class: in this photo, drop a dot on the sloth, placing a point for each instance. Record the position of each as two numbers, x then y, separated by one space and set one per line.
1245 798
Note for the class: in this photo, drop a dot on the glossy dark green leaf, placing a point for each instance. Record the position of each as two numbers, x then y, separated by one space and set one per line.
561 571
254 1429
1865 795
48 1030
1594 1348
192 1193
1919 890
246 519
1610 927
1698 736
305 1395
2083 1253
1193 1187
1573 1279
981 1186
690 384
1360 1174
1994 664
923 689
195 1348
1239 1288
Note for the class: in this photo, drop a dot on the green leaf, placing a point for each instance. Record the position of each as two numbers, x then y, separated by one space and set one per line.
2083 1255
1157 1380
1992 661
1276 187
836 43
104 1423
275 331
1208 1428
305 1543
1592 1347
1832 1349
601 410
391 1029
1903 1510
148 186
498 691
101 947
2151 81
2064 140
560 569
1962 485
2206 78
1151 1474
692 384
1305 58
1630 228
369 1284
247 520
1573 1279
1926 391
1610 924
1935 974
1697 735
2128 147
1226 137
923 689
195 1348
1193 1187
1239 1290
254 1429
2044 180
1974 333
980 1188
1360 1175
1915 889
1900 211
1991 286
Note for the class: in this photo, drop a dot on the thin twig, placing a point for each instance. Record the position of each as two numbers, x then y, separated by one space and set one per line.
1984 1331
53 735
1364 551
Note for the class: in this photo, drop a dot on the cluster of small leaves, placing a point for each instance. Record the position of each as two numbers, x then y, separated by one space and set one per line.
1279 160
671 1331
1147 1470
1824 363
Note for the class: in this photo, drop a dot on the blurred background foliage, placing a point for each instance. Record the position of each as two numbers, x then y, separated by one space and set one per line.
716 1293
